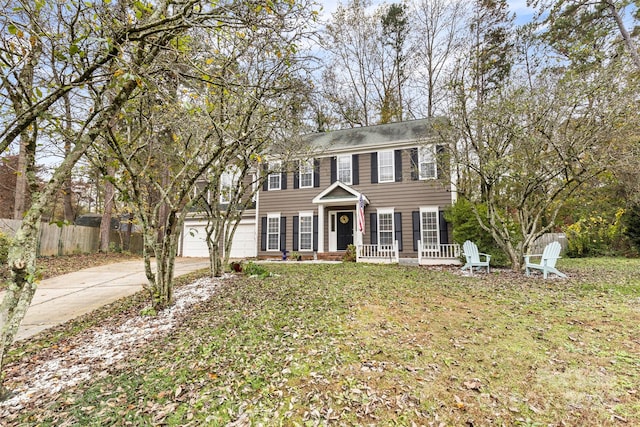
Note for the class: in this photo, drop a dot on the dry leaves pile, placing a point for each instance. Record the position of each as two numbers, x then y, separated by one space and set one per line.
93 353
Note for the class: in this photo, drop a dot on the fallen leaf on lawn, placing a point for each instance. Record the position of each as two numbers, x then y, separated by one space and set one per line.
473 384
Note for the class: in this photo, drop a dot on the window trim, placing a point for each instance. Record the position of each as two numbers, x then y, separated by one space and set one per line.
344 156
392 159
386 211
422 150
430 209
310 165
310 232
274 165
275 216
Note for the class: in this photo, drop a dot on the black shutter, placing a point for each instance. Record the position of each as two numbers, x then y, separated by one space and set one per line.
398 165
265 174
397 224
283 233
296 176
374 168
444 229
283 181
441 161
295 233
355 169
315 232
414 164
316 173
334 170
415 216
373 227
263 234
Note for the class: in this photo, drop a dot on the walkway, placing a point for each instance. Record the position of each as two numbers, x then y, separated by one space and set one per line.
62 298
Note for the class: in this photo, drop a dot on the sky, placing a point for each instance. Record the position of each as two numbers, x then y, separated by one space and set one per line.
523 13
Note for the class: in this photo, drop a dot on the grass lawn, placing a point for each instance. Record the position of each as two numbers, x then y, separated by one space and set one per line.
355 344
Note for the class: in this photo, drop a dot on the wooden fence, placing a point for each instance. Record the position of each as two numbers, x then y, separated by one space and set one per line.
73 239
545 239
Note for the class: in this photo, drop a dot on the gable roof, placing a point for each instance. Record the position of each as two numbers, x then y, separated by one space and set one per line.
378 136
339 193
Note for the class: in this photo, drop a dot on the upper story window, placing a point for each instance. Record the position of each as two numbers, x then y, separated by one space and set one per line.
275 177
306 173
386 161
344 169
427 162
228 184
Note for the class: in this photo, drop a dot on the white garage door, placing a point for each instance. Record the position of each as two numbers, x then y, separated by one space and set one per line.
194 240
244 241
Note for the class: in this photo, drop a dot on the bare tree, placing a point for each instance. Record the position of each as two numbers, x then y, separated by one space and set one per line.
437 36
91 40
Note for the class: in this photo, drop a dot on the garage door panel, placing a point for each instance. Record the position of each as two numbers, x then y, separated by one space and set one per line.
244 243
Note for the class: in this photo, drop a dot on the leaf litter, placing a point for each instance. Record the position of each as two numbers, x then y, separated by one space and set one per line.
92 353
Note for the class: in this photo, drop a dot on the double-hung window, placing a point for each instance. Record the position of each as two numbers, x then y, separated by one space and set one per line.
344 169
385 166
273 232
306 173
228 184
385 226
427 162
275 176
429 228
305 232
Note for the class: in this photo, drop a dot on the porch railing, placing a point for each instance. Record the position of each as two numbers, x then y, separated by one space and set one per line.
378 253
438 254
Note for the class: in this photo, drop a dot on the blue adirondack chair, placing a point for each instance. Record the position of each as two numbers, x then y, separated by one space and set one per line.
470 252
547 263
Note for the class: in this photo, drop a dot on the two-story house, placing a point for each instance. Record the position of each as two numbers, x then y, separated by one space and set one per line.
381 188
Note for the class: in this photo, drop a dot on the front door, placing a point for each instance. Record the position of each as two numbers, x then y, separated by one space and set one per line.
344 230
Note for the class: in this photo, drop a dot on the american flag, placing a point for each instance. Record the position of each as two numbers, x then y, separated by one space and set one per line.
361 213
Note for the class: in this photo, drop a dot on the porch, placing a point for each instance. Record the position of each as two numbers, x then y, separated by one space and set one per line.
446 254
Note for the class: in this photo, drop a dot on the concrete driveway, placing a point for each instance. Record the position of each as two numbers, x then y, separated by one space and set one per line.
65 297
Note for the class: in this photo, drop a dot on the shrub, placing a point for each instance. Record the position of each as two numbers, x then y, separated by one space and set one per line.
466 227
597 235
632 223
349 254
253 269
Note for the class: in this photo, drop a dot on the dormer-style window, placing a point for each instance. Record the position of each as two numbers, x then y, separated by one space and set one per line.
306 173
344 169
275 177
386 162
427 162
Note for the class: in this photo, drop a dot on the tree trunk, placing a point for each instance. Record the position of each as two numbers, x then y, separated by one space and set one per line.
22 285
20 194
105 224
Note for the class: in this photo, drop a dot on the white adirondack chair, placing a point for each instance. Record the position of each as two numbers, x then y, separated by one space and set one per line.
470 251
548 259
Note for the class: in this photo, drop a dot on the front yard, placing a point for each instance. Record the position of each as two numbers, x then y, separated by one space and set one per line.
355 344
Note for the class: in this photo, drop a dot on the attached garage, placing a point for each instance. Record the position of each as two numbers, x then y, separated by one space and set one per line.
194 239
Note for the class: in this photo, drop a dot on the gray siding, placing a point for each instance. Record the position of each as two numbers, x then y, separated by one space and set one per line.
405 197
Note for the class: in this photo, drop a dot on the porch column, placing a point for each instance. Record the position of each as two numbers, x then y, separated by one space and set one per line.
359 239
320 228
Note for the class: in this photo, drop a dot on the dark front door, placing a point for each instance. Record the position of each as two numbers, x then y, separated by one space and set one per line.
344 230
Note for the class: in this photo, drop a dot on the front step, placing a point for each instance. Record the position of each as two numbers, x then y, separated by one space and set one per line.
330 256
